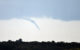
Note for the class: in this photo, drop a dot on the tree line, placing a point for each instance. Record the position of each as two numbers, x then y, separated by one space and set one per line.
35 45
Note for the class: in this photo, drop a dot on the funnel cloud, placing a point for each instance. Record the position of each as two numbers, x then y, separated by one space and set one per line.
32 21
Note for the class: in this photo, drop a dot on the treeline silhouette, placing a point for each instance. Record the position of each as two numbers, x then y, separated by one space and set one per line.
20 45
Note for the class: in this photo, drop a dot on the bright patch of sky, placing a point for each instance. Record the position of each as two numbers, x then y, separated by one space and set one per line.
60 9
50 29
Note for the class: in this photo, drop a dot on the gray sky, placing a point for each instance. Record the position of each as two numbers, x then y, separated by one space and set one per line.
60 9
40 20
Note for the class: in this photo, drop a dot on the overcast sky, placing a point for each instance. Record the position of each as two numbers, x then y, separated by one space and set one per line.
40 20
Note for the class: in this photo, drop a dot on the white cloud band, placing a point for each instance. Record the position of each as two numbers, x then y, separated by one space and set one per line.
50 29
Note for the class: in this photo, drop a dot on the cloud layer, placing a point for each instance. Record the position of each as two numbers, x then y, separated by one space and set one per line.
59 9
50 29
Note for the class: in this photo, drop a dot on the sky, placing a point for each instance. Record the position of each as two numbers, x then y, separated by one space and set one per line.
40 20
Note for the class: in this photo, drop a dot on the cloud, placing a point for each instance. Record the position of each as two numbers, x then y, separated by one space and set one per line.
32 21
59 9
59 30
50 29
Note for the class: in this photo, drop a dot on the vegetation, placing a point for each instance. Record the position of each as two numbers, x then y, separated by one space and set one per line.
20 45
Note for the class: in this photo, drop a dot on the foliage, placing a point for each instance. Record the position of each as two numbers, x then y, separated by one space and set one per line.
20 45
